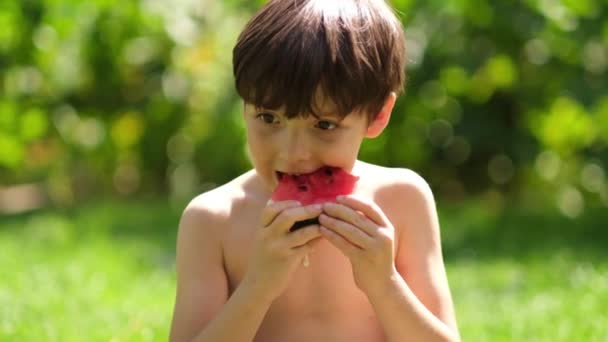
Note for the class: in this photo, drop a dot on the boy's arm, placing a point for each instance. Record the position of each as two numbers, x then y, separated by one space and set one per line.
203 311
407 287
417 303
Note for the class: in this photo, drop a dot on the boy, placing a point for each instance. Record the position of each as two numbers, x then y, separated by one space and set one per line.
316 77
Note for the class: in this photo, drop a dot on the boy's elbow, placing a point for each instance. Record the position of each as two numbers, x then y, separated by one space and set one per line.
183 339
448 334
453 336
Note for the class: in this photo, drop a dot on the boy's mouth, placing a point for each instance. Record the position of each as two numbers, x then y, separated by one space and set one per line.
329 170
281 174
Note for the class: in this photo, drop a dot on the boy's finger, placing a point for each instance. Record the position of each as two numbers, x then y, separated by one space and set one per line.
368 208
286 218
352 234
302 224
303 236
340 242
273 209
349 215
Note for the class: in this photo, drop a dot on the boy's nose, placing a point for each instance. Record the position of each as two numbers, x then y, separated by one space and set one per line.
296 148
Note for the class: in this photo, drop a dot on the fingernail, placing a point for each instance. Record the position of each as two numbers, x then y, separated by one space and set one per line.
340 198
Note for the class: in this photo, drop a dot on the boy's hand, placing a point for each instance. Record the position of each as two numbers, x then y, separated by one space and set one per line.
277 252
362 232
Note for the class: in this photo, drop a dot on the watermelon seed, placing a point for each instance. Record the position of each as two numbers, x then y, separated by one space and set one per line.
302 187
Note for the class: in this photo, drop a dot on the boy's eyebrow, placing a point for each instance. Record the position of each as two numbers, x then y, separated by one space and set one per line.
326 115
317 115
261 109
268 110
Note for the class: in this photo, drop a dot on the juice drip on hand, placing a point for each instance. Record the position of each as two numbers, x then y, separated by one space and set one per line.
306 261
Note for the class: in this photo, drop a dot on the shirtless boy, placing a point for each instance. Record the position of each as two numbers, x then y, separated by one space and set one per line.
316 77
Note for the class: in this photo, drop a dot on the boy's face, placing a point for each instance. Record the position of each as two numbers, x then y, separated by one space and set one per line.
302 145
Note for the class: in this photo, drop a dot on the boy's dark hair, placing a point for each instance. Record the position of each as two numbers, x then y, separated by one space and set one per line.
353 51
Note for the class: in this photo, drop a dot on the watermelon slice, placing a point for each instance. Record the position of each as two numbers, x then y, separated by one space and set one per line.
320 186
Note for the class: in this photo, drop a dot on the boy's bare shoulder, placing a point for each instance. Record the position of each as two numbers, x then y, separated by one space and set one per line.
214 207
395 182
404 196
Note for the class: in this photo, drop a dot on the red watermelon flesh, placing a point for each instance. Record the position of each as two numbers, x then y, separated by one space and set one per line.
323 185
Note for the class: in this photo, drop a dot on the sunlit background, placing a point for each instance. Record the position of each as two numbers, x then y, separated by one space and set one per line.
114 114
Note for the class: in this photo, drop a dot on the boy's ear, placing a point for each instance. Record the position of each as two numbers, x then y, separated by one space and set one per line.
381 121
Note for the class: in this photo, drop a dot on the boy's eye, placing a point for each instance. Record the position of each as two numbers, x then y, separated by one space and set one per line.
326 125
267 118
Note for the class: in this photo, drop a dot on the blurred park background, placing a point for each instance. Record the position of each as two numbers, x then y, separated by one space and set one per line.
113 114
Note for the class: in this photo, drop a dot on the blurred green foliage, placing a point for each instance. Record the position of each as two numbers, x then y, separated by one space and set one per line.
506 100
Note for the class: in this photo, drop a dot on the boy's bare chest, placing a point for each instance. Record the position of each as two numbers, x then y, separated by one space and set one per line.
328 271
323 289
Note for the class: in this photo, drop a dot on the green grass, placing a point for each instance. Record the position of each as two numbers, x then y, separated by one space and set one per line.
105 272
102 273
528 276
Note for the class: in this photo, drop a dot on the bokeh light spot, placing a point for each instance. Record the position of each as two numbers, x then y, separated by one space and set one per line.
593 177
570 202
501 169
548 164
